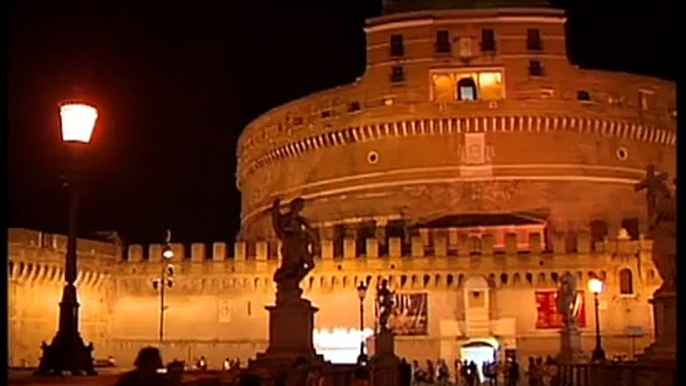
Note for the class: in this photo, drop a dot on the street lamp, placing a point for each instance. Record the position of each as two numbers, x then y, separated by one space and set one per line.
361 294
67 352
596 287
165 280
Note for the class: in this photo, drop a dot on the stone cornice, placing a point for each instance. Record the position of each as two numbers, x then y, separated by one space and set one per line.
433 126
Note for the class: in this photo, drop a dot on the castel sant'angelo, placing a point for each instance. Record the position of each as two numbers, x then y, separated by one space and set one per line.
471 166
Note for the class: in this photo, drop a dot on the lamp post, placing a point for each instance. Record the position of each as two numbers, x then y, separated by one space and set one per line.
596 287
165 280
67 352
361 294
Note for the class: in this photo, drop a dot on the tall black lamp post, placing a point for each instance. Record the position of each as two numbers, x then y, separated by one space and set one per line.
164 281
67 352
596 287
361 294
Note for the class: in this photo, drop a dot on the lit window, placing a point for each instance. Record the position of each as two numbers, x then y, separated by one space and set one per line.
466 89
443 88
467 86
626 282
491 85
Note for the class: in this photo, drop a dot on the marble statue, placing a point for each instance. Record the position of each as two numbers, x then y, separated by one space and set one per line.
384 297
662 225
299 243
566 299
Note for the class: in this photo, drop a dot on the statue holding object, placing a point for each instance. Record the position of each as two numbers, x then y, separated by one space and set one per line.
566 300
384 297
662 225
299 243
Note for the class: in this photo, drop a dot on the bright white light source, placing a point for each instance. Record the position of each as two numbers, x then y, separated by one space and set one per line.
78 121
595 286
168 253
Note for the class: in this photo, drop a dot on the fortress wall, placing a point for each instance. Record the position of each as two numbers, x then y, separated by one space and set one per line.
35 281
216 306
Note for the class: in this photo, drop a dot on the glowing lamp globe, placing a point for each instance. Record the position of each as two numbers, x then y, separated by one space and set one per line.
595 286
78 121
167 253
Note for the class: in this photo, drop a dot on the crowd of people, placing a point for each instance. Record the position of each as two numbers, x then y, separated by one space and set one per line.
538 372
468 373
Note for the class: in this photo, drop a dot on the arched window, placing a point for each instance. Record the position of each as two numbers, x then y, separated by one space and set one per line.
466 89
626 282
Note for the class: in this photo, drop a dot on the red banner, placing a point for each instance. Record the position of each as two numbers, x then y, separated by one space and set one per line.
548 317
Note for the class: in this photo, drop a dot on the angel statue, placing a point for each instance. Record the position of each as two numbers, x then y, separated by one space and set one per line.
661 225
299 243
384 297
566 299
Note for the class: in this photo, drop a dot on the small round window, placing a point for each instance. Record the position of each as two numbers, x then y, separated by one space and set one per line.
373 157
622 153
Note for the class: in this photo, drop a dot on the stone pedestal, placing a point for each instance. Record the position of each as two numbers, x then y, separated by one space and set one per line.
384 364
570 346
663 350
291 322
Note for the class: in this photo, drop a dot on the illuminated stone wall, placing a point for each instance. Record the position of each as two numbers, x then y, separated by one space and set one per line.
35 282
216 306
379 150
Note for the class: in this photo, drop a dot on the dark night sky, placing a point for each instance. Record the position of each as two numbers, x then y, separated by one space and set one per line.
175 85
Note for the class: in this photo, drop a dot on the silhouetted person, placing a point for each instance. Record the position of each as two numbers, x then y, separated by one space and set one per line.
405 373
513 373
148 362
474 373
533 372
430 372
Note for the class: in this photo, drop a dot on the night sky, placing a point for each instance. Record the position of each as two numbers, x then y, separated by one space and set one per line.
176 82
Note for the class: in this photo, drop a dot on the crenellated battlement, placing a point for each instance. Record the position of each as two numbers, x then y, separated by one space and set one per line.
424 245
38 257
420 267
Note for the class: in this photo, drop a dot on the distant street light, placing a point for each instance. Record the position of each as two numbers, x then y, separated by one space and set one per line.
67 352
361 294
596 287
165 280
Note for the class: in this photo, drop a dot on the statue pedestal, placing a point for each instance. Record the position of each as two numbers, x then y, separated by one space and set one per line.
570 346
663 350
384 364
291 322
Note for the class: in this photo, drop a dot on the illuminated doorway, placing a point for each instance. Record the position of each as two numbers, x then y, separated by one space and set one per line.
479 351
340 345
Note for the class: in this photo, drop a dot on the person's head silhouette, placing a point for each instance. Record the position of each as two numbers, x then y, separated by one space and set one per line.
149 360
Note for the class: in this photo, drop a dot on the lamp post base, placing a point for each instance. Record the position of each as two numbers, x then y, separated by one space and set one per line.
598 355
68 354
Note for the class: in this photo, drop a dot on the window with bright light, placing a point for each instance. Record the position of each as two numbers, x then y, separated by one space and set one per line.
443 88
491 85
467 86
466 89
